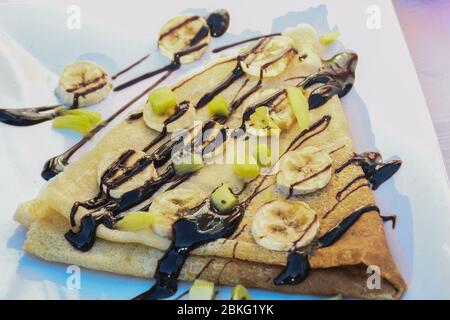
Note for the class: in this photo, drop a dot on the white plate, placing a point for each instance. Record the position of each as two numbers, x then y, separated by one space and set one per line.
386 111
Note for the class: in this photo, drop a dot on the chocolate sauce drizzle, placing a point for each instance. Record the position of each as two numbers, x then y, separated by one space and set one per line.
56 165
235 74
171 67
28 116
218 22
81 94
109 182
118 74
201 225
298 267
292 186
375 170
337 76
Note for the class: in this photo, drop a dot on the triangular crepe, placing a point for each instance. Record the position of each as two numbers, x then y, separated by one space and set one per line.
338 269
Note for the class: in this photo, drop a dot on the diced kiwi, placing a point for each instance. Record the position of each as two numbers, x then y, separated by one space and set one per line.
263 155
223 199
260 119
240 293
188 163
299 106
329 37
162 101
201 290
219 106
247 167
78 120
138 220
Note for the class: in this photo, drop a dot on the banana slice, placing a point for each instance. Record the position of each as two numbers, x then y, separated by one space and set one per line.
279 109
283 224
269 57
171 205
181 33
83 83
304 171
175 122
131 183
306 41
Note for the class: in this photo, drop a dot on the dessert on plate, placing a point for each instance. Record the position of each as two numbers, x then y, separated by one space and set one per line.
243 173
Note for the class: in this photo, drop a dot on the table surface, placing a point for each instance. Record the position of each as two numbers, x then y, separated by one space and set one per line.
426 26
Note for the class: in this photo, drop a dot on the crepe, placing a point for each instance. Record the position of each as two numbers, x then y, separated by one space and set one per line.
338 269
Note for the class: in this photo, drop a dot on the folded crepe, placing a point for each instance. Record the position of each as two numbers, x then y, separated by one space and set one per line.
340 268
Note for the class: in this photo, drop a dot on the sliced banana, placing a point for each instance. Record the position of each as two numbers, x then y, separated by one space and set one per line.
158 122
269 57
132 183
183 32
304 171
284 224
171 205
83 83
306 41
279 109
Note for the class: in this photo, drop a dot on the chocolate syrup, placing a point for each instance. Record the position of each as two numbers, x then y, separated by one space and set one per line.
171 67
82 94
375 170
201 34
337 76
28 116
56 165
135 116
231 45
292 186
298 267
218 22
178 26
232 77
182 108
201 225
130 67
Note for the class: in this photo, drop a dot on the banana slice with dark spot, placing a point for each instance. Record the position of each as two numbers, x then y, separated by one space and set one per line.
269 57
83 83
183 32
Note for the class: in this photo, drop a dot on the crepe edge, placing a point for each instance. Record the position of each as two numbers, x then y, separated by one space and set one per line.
45 239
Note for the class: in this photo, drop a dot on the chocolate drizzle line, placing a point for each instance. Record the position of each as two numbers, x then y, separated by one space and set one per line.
28 116
204 226
231 45
234 75
337 76
292 186
55 165
135 116
108 181
173 66
182 108
375 170
81 94
298 267
178 26
130 67
348 185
